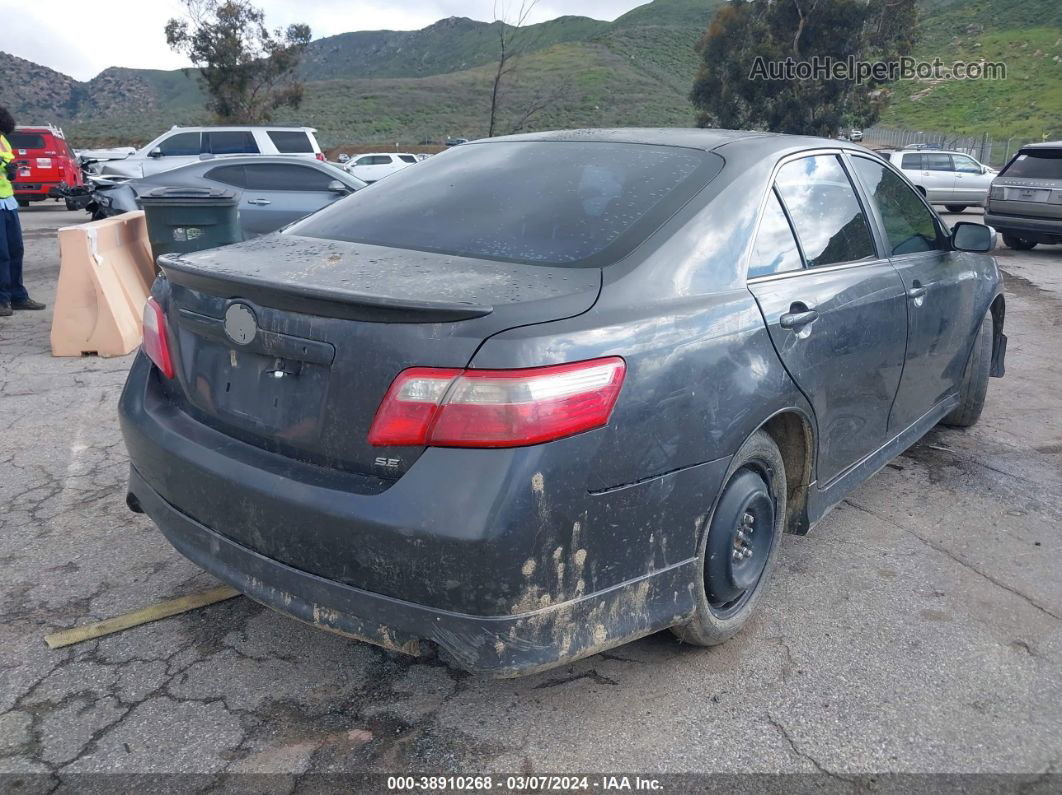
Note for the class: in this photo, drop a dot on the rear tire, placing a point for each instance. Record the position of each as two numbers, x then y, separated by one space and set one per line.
739 547
955 208
1018 243
23 203
975 379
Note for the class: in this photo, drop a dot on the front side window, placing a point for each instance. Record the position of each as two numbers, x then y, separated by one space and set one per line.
829 222
234 142
909 225
776 249
407 158
1036 164
584 203
181 145
966 165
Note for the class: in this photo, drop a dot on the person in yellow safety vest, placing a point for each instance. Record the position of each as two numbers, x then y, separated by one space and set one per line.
13 294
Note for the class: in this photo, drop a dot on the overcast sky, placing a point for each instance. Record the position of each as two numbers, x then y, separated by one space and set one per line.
83 37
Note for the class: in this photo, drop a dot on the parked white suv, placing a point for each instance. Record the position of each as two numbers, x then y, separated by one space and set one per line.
953 179
377 165
183 145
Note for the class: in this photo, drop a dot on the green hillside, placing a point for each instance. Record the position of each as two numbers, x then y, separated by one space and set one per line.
407 86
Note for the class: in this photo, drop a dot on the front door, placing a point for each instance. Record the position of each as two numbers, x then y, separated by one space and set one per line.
835 309
941 289
971 183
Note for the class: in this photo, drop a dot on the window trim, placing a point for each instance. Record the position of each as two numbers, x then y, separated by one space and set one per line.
857 187
879 222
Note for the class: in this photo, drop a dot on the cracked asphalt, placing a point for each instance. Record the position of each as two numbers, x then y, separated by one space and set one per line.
917 629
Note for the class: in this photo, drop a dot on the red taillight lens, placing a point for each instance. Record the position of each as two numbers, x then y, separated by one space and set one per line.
155 344
497 408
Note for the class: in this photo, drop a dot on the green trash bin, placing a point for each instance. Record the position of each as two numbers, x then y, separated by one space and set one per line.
181 220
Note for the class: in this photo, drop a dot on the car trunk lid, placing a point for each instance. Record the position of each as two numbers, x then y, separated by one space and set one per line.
290 343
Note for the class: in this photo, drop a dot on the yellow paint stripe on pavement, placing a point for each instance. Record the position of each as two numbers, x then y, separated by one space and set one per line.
145 615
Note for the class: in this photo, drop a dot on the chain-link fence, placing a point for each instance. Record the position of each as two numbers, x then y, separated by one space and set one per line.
988 150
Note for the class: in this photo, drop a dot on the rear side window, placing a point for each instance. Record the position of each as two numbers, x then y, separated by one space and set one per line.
825 211
181 145
909 225
913 162
21 140
230 175
776 249
540 202
234 142
1036 164
937 163
291 142
282 176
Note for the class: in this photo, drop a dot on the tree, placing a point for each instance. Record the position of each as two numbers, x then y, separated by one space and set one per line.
247 70
735 87
513 42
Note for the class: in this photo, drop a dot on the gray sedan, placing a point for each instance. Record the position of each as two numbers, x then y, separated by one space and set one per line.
274 191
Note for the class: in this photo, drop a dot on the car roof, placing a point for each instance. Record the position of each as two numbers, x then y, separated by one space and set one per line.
367 154
1044 145
691 138
255 160
243 127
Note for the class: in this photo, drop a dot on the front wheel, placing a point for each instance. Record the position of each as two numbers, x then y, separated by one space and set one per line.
1018 243
975 380
955 208
738 551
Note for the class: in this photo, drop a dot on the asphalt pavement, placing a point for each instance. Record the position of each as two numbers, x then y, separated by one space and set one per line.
918 628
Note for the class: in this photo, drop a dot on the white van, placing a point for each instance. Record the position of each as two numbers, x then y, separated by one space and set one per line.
182 145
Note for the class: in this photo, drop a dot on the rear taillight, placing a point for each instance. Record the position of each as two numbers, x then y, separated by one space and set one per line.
155 344
496 408
320 156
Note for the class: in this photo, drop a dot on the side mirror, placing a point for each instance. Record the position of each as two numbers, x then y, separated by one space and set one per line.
338 187
977 238
156 153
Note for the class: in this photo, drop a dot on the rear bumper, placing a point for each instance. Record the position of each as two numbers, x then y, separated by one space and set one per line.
501 558
38 191
1039 230
502 646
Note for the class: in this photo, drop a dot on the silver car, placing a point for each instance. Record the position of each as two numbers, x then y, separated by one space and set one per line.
274 191
953 179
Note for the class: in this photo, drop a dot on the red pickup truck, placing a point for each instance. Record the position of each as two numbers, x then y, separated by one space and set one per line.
46 165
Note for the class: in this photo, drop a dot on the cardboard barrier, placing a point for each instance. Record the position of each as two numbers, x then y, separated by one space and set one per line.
105 276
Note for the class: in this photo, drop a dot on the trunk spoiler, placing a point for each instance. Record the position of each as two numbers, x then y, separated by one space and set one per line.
325 302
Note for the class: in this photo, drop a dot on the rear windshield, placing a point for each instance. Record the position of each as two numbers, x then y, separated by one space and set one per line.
548 203
291 142
1036 164
20 140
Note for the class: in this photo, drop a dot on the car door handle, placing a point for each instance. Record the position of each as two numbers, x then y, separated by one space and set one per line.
797 320
260 202
917 292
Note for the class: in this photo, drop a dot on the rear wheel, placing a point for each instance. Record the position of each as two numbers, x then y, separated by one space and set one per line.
955 208
975 379
738 551
23 203
1018 243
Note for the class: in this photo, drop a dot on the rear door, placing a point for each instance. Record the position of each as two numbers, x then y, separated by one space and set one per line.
941 289
279 193
835 308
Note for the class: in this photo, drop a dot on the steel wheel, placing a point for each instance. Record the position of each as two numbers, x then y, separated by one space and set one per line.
740 541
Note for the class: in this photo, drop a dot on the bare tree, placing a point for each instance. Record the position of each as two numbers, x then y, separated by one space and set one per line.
512 43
